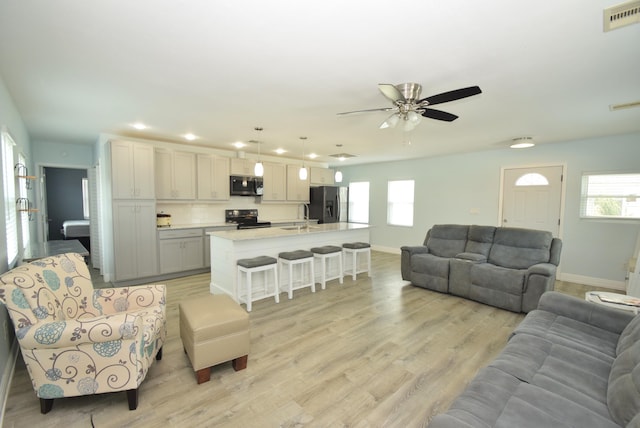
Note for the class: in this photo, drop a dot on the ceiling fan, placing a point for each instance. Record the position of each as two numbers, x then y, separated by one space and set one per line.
408 106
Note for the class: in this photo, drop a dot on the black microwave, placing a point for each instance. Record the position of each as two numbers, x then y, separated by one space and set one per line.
245 186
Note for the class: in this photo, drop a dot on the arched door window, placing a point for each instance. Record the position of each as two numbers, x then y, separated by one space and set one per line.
532 179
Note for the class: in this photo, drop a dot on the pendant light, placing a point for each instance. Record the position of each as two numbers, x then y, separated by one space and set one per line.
303 170
258 169
338 176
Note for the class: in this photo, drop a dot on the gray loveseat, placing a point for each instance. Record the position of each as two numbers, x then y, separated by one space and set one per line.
509 268
570 363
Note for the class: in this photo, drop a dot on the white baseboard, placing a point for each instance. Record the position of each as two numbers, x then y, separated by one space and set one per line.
392 250
594 282
7 377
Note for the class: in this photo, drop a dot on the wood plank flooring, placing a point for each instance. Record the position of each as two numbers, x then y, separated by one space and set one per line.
375 352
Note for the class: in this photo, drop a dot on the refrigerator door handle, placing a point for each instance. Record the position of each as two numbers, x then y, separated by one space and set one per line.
338 206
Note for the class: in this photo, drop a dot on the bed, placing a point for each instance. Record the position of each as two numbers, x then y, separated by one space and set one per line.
77 229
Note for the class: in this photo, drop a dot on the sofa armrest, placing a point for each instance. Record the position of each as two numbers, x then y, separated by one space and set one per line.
70 333
405 259
600 316
546 269
472 257
121 299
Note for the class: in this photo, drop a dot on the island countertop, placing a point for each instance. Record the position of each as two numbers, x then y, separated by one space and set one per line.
276 232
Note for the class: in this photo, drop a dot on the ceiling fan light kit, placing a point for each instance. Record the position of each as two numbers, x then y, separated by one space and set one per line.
408 106
522 143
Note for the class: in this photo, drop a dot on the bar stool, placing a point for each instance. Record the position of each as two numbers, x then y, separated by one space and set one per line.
325 254
298 257
353 249
249 267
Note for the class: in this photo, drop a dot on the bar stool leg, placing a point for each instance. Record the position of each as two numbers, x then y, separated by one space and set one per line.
249 289
290 280
313 277
369 263
340 266
276 285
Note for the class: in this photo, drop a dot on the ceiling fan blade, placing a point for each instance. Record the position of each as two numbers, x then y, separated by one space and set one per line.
445 97
365 111
439 115
391 92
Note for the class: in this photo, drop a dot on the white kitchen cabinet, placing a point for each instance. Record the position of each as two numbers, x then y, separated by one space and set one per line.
134 236
132 170
242 166
274 182
297 190
175 174
213 178
321 176
180 250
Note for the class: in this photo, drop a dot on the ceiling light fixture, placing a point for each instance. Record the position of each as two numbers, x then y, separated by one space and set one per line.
239 144
258 169
280 151
522 143
189 137
139 126
303 170
338 176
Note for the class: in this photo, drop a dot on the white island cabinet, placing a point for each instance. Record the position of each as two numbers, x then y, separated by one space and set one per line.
229 246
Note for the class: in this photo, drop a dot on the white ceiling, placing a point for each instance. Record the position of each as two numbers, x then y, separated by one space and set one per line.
76 69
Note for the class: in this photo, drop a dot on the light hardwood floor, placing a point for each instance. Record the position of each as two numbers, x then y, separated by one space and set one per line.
375 352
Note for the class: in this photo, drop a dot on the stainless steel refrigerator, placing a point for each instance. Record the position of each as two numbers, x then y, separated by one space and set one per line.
328 204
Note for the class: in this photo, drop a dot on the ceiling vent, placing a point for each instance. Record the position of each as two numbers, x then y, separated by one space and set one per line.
342 156
615 107
622 15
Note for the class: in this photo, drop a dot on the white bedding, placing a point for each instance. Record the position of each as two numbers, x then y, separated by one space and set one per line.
75 228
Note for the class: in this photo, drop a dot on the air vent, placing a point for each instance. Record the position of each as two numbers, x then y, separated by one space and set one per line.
343 156
622 15
615 107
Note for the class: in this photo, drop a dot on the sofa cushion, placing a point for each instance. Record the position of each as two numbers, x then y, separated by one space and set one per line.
623 394
480 239
520 248
447 240
497 399
430 271
629 336
566 331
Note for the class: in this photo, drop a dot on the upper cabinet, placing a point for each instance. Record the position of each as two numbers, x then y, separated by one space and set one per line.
213 178
321 176
297 190
132 170
175 174
241 166
274 182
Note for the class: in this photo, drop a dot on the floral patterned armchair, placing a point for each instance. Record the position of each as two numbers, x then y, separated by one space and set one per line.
79 341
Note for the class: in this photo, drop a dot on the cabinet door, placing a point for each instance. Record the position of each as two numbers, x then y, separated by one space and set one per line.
123 186
184 175
275 182
143 171
170 255
321 176
297 190
213 178
241 166
134 235
146 246
192 253
163 173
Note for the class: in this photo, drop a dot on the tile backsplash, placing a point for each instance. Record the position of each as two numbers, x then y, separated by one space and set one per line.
197 213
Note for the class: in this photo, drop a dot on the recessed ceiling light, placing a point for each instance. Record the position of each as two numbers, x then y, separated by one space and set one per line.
522 143
139 126
280 151
189 137
312 155
239 144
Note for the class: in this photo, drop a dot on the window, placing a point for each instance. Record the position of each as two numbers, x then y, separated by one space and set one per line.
359 202
610 196
400 203
9 197
85 198
532 179
24 215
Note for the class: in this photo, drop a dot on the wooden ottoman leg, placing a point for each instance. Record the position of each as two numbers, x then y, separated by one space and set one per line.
240 363
203 375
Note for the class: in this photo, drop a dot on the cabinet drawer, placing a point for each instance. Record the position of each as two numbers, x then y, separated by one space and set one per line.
176 234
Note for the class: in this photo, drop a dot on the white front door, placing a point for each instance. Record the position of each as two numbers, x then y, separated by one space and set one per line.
532 198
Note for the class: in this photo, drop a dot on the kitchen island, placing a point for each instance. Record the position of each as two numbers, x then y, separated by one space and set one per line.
228 246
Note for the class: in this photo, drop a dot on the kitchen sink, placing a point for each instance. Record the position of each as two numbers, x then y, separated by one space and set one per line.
299 227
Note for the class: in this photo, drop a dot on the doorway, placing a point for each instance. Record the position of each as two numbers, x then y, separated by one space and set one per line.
533 198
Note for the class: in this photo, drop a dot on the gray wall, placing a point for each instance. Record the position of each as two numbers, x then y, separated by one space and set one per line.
448 187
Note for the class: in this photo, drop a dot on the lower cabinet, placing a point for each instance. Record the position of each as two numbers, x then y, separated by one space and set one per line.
134 234
180 250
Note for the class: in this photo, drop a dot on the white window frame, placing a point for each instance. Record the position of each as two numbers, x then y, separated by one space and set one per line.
359 202
9 184
85 198
400 202
618 188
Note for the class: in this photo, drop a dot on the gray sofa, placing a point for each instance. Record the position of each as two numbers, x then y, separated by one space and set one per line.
570 363
509 268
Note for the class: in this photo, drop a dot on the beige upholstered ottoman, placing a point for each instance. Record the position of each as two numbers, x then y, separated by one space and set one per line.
214 329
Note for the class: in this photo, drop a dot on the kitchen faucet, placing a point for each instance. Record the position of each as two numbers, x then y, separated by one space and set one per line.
305 214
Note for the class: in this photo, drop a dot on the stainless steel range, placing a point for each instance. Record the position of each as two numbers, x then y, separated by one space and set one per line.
245 219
